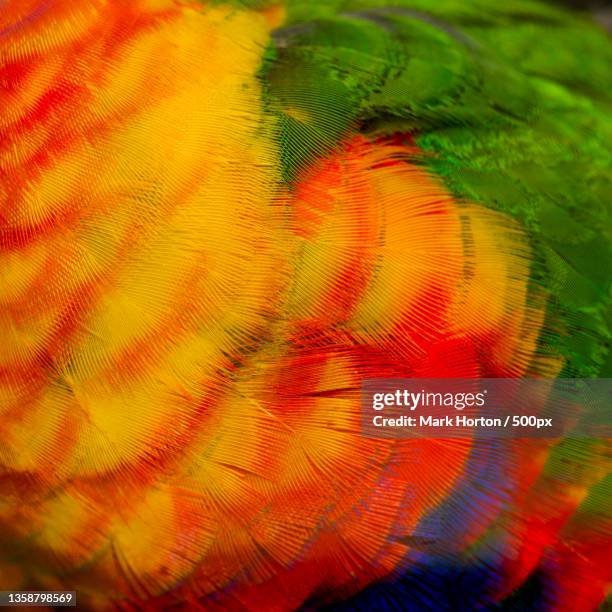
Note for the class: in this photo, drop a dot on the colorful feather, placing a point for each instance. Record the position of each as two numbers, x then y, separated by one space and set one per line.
217 220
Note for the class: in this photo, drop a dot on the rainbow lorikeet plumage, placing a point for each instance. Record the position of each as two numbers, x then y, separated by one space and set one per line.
218 219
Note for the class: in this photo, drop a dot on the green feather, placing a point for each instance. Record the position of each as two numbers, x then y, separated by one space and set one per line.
512 104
